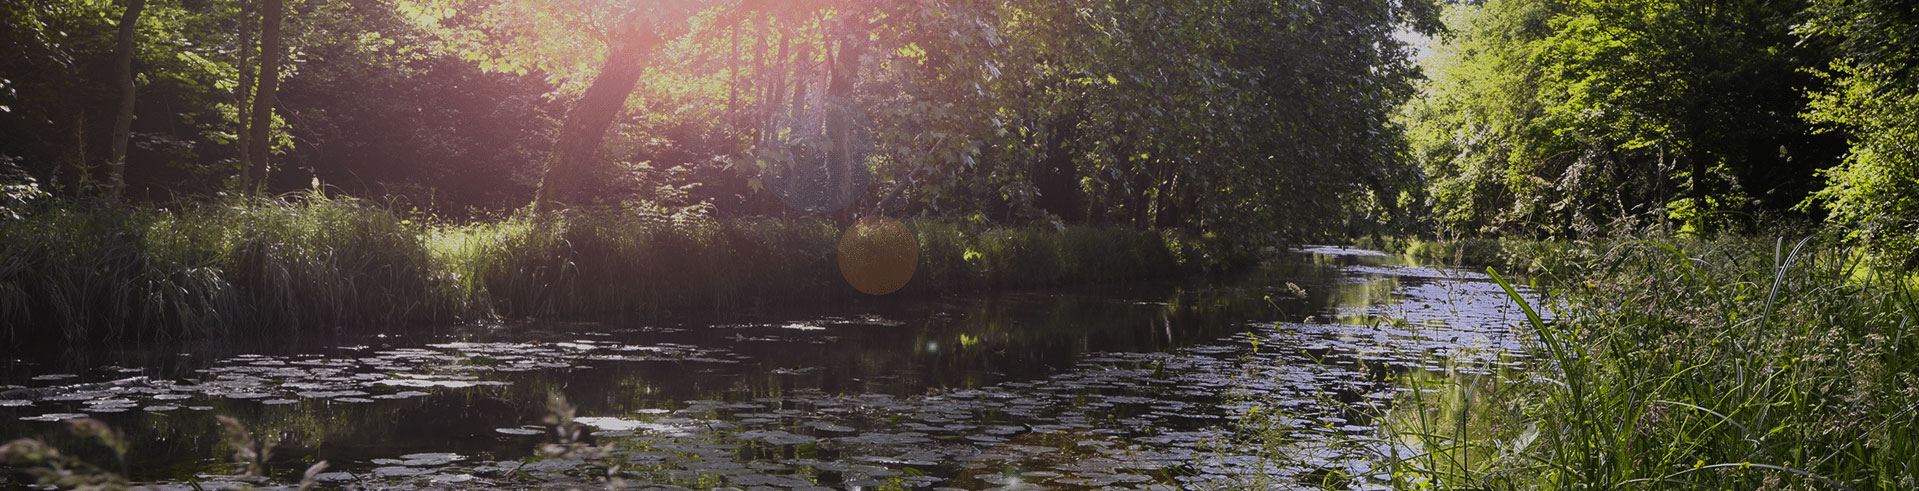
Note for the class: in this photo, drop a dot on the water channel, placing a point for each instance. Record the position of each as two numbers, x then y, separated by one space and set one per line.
1122 386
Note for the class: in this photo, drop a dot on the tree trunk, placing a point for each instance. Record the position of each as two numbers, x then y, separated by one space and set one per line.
1058 179
839 115
733 73
253 177
1166 212
759 73
775 92
243 92
581 135
802 73
123 122
1137 179
77 159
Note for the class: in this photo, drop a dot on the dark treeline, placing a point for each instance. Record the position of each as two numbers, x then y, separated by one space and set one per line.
1229 124
211 168
1256 119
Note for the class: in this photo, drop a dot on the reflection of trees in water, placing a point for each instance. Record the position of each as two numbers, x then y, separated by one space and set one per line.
1025 337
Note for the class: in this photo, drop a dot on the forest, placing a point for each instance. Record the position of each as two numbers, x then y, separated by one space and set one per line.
462 110
1691 228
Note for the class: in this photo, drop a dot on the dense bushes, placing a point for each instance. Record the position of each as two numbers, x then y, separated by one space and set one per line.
72 273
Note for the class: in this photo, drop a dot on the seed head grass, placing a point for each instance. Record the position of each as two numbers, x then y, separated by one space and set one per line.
1733 363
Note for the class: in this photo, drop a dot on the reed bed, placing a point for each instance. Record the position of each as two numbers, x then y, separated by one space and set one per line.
75 273
1734 363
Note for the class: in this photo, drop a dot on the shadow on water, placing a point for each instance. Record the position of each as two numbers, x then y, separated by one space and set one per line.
1116 385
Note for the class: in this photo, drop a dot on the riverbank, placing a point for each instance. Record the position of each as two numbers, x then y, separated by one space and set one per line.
1733 363
1522 257
87 274
1064 388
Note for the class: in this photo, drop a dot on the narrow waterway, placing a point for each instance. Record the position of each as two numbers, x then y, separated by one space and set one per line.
1142 386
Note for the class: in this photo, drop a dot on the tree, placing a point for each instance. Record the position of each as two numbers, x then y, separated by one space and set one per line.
243 90
66 71
1562 117
1479 123
253 174
123 121
546 35
1717 85
1874 102
1185 114
1181 115
578 147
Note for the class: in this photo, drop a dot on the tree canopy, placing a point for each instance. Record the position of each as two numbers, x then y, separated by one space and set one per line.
1566 116
1874 101
1275 120
1215 115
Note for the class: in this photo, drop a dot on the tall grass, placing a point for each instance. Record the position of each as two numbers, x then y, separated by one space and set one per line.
310 263
954 258
623 264
1725 364
85 273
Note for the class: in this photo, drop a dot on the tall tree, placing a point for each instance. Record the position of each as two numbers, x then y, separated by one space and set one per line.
253 176
578 149
123 77
243 90
845 65
547 35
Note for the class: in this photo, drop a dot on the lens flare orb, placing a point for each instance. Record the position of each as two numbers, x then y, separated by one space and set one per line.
878 255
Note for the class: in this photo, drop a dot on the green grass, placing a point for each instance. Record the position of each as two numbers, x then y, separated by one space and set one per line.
1690 364
74 273
81 274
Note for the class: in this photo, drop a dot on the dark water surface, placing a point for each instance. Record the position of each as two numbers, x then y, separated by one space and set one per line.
1121 386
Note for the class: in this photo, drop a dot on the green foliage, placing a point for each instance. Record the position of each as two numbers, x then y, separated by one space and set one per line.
1257 120
1189 115
1480 118
18 190
372 110
83 273
1182 115
312 264
1564 117
619 263
1735 363
1873 101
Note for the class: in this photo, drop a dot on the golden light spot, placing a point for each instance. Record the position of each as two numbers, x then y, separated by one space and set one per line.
878 254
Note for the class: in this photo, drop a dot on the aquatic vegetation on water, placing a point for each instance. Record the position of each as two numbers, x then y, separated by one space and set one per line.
1435 320
733 404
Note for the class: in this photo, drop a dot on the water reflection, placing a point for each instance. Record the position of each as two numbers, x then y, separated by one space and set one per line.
1130 385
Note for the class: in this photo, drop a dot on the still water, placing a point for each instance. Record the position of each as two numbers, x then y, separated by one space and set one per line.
1144 386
